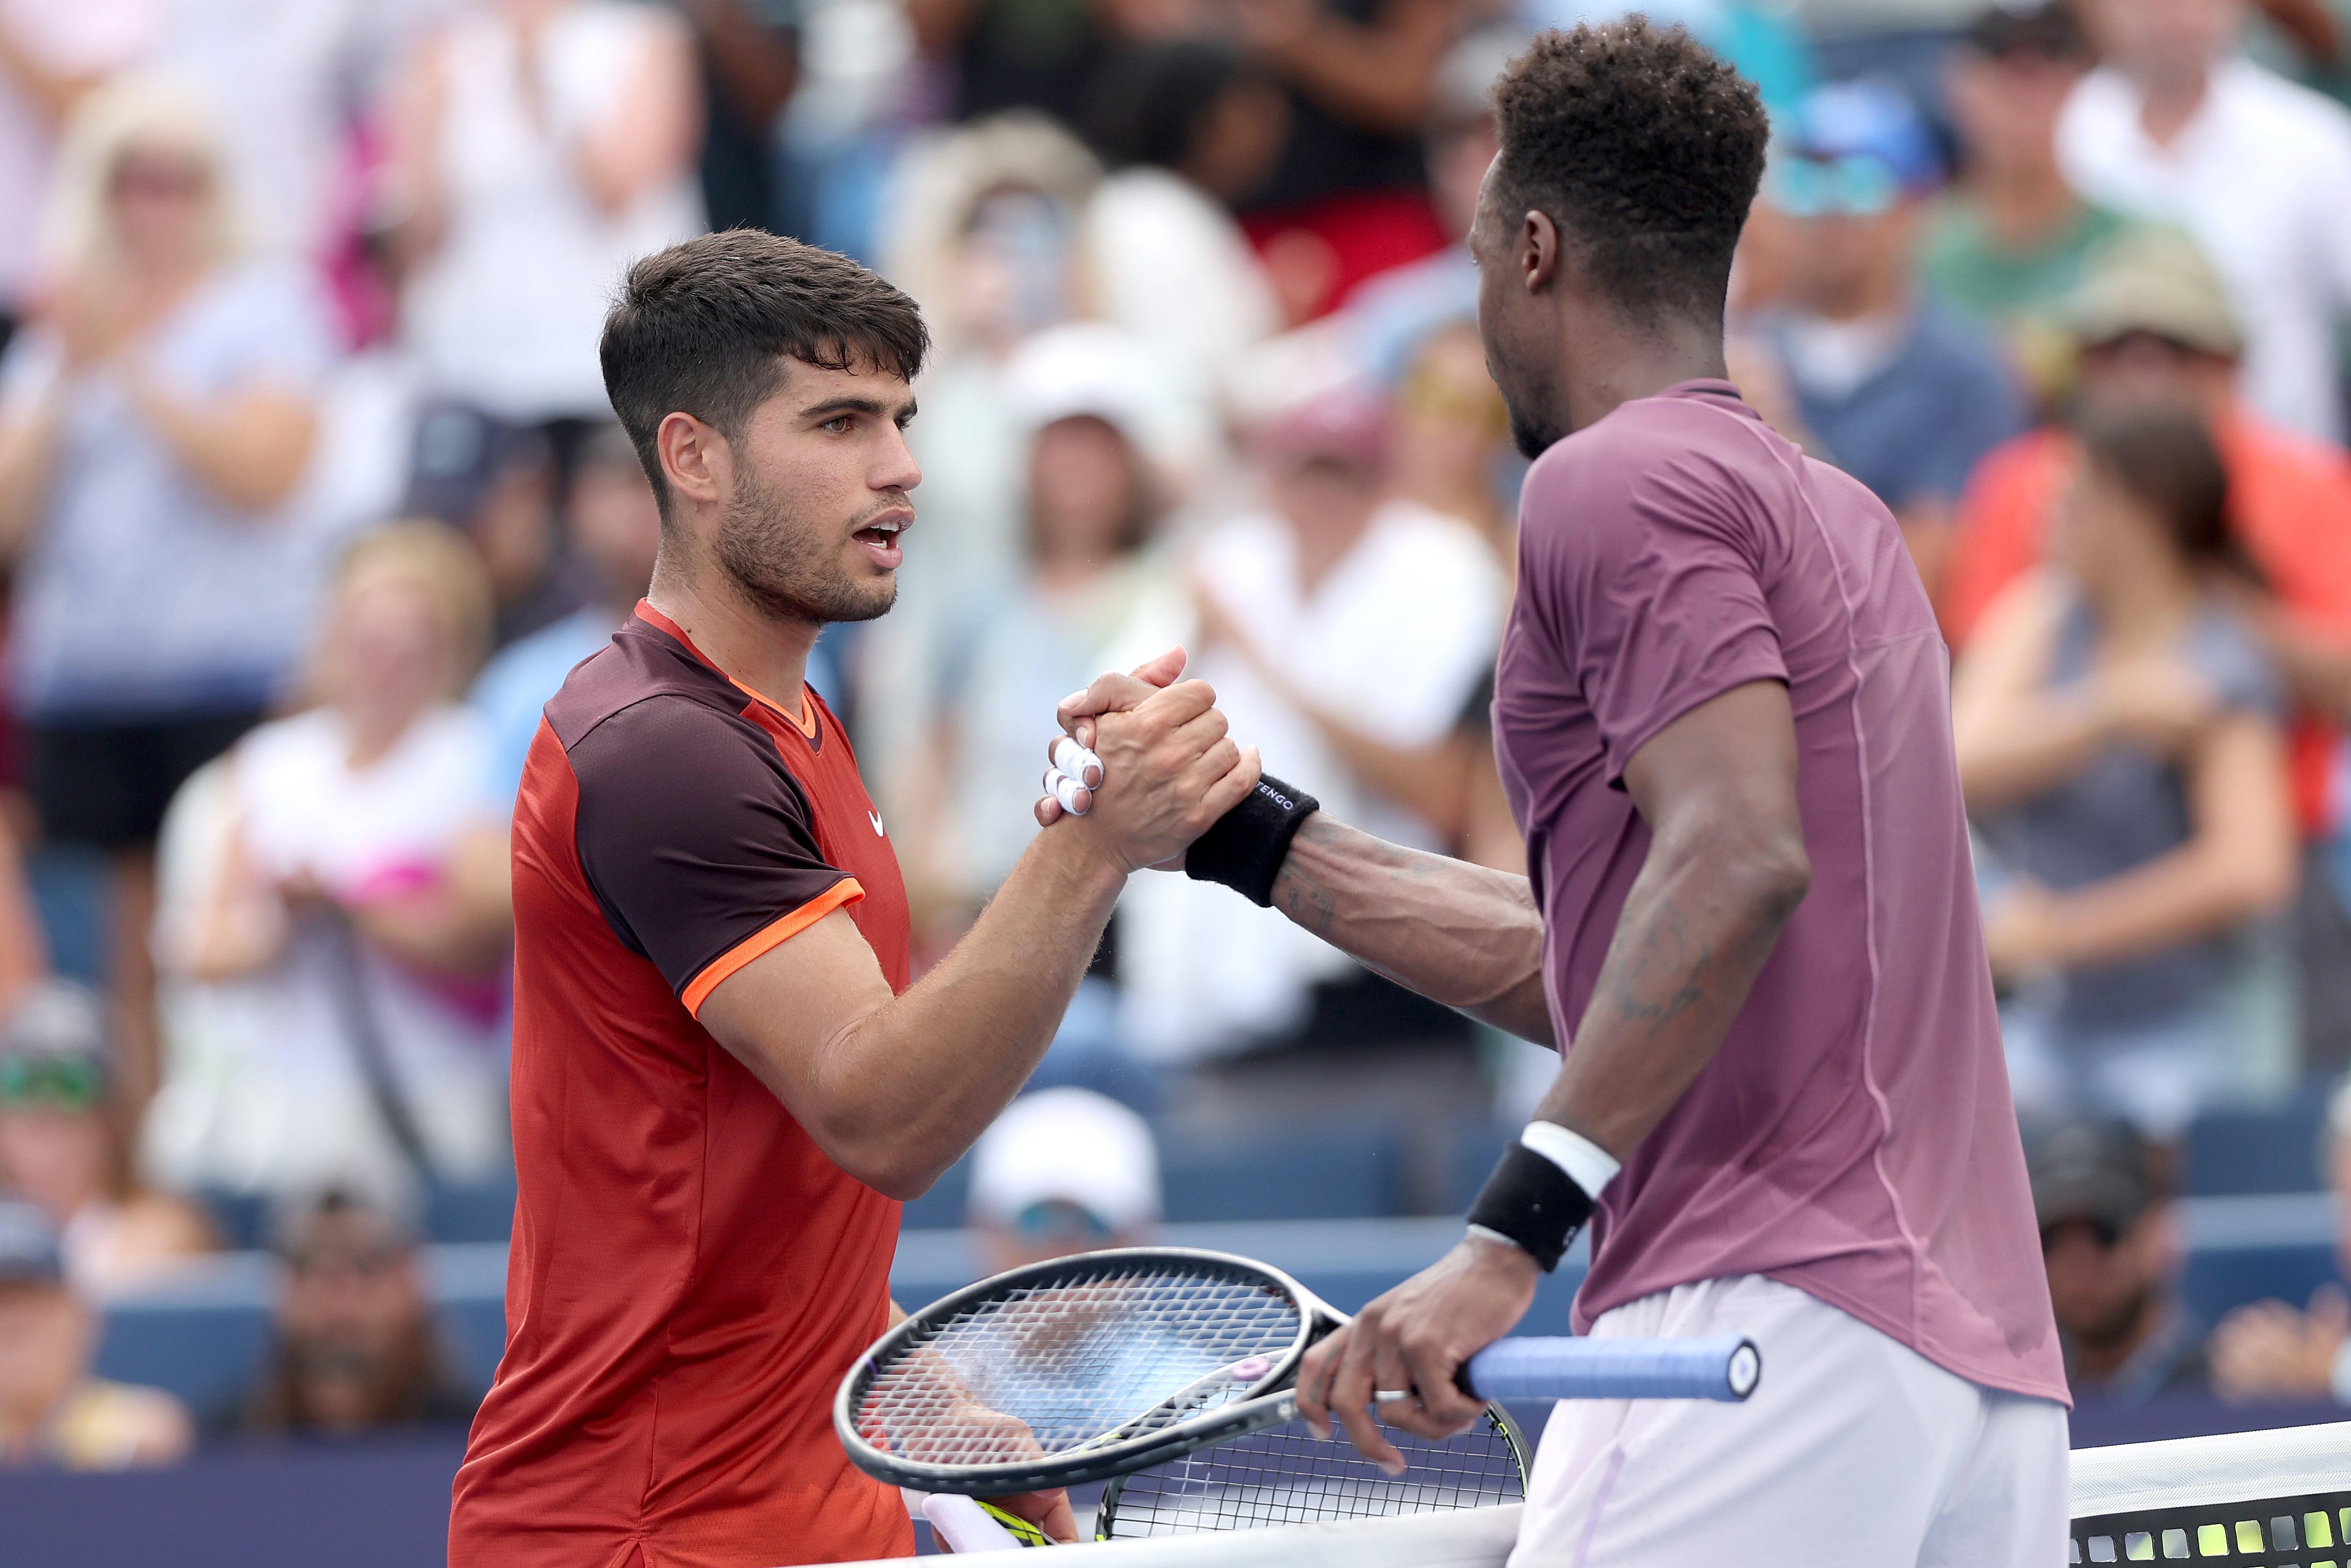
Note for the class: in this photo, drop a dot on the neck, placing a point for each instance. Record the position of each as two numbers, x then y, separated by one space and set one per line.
2141 606
752 645
374 735
2099 1358
2170 102
2025 206
1619 363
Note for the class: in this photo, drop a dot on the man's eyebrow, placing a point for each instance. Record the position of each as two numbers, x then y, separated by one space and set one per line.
833 408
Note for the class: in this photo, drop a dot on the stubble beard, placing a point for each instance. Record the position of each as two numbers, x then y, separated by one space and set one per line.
790 567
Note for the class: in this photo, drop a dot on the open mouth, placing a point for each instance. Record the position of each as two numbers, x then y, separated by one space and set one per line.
880 540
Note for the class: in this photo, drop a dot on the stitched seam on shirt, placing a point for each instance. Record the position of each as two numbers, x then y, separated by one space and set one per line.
1915 1248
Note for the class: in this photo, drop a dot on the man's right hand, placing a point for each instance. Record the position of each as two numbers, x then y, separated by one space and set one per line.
1080 712
1169 771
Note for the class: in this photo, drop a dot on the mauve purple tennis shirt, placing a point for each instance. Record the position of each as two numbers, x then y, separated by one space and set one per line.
1855 1137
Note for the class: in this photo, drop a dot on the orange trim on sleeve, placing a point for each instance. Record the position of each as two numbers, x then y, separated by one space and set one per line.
773 935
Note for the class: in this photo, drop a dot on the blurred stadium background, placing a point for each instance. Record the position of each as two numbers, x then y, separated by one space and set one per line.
310 495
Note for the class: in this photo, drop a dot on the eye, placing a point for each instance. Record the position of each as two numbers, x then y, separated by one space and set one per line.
840 424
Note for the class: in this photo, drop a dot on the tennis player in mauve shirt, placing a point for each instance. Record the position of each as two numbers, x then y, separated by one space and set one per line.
723 1081
1722 718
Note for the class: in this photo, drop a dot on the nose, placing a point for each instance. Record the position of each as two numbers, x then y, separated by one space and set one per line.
897 469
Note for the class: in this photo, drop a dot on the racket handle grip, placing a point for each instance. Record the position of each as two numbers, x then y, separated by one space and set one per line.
1725 1368
964 1526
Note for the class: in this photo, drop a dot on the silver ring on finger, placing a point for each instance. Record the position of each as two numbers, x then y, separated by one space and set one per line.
1392 1395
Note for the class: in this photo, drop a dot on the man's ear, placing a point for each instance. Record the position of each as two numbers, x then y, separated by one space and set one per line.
1540 251
695 460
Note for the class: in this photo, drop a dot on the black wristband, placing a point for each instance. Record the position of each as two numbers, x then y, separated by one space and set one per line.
1534 1202
1245 848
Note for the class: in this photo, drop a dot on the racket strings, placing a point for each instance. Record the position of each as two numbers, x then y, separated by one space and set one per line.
1288 1476
1052 1367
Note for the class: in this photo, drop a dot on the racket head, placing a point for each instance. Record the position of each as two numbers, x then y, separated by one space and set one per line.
1076 1370
1286 1475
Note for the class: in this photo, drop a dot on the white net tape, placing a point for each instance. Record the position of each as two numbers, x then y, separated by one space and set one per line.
2238 1468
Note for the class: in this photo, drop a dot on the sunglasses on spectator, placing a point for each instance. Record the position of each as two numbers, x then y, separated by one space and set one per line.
2104 1235
1055 1217
1851 187
1426 394
314 1261
51 1081
156 177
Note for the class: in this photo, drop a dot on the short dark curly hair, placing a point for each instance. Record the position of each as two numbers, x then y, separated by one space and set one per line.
704 328
1646 148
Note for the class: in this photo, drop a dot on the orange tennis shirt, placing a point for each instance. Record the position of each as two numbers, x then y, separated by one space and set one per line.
690 1277
2289 501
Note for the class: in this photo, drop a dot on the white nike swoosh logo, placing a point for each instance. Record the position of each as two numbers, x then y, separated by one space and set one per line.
875 816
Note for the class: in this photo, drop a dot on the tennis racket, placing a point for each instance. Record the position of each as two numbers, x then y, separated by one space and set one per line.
1080 1369
1286 1475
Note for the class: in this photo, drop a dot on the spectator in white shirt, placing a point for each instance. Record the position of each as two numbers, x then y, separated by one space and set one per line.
1332 611
538 147
2177 127
334 916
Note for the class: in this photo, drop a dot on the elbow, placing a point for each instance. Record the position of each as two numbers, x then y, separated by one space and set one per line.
2262 885
1770 878
891 1174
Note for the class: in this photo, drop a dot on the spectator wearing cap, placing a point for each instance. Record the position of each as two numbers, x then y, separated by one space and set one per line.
2152 323
53 1413
1903 396
156 420
354 1346
2012 241
61 1146
2176 126
1062 1171
2112 1248
497 482
2269 1350
2120 730
1332 610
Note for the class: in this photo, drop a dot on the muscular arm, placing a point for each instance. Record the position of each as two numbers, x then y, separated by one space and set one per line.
895 1088
1726 869
1457 933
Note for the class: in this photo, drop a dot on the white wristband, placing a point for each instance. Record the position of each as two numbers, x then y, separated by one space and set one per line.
1587 1164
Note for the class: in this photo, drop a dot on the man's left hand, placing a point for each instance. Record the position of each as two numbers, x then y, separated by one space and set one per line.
1048 1511
1417 1337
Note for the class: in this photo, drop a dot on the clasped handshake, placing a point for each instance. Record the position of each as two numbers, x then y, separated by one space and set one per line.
1145 759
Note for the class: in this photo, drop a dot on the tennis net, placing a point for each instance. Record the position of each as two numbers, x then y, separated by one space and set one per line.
2251 1499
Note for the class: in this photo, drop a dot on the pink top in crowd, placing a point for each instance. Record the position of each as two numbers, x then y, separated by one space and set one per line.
1855 1137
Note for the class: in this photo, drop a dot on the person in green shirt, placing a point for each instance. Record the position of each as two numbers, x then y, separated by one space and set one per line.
2011 241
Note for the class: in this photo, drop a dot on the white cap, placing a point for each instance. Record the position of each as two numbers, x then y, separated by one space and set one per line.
1082 367
1067 1146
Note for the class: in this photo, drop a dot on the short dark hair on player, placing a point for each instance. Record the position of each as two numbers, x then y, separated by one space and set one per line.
704 328
1646 149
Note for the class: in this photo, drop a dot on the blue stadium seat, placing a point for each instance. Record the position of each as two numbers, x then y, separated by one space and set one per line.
1290 1173
2234 1152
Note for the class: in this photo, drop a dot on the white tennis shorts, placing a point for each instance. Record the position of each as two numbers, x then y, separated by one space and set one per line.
1854 1452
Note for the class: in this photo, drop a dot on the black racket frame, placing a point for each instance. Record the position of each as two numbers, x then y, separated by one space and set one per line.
1270 1406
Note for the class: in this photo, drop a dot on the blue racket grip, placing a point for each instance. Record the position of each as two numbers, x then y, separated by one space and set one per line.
1724 1367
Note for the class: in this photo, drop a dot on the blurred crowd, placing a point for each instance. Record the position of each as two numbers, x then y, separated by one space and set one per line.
310 496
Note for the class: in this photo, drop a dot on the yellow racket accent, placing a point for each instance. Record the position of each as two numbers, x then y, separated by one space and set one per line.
1019 1529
